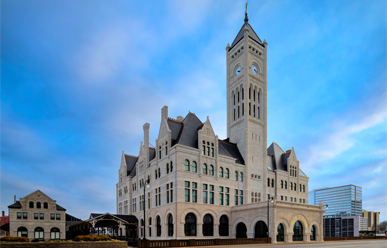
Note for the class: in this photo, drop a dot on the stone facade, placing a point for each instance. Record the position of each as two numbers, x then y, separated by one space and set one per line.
37 216
202 187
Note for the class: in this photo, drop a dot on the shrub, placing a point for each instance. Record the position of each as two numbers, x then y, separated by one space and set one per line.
14 239
372 234
92 237
361 235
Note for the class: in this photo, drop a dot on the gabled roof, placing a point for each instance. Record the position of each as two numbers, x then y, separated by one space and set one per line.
186 131
15 205
59 208
278 156
229 149
252 34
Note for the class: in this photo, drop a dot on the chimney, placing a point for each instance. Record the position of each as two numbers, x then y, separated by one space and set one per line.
180 118
146 142
14 199
3 214
164 113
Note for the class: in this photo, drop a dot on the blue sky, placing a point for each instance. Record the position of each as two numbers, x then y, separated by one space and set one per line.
80 78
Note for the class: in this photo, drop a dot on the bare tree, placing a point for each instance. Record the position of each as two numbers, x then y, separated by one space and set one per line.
383 226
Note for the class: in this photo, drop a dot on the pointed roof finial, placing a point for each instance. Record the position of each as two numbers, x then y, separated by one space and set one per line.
246 18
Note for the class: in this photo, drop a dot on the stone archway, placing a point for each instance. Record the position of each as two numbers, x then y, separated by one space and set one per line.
241 230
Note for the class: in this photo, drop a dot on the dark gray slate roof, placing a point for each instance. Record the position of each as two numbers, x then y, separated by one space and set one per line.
229 149
130 162
59 208
15 205
188 135
175 127
252 35
128 218
93 215
152 153
278 156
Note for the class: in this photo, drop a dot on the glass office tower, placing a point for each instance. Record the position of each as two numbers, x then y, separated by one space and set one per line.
342 200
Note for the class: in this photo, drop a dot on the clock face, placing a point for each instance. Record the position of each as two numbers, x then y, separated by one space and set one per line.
238 70
254 69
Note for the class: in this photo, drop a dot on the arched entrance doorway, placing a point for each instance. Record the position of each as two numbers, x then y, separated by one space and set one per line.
241 231
22 232
313 233
223 226
281 233
170 225
190 225
298 232
208 225
260 230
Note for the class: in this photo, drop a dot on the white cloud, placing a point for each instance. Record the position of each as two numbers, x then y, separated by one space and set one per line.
342 138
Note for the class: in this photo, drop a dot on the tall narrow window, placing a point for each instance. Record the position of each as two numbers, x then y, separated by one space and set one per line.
166 148
205 169
236 175
258 114
286 185
159 152
194 167
241 176
282 184
227 173
212 194
254 110
227 197
205 193
167 168
158 226
249 108
238 96
272 183
243 109
233 95
221 172
234 114
187 191
194 192
250 92
243 93
171 166
268 182
211 170
238 112
221 195
186 165
254 95
170 225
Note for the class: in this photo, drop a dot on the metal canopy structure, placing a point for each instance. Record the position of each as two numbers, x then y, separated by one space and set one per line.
122 225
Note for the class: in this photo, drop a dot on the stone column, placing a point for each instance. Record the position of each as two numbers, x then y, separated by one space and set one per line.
307 236
250 235
288 237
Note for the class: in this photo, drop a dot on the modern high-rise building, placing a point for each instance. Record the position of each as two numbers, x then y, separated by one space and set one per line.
342 201
343 205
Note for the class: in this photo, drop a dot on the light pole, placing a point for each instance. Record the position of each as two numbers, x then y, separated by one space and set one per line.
146 185
269 199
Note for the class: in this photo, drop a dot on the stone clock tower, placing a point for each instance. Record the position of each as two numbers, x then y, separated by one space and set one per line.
247 103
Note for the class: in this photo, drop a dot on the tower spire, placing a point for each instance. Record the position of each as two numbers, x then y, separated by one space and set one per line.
246 18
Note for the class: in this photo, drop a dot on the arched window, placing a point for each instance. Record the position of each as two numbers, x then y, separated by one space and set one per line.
208 225
291 186
313 233
54 233
142 227
281 233
190 225
298 232
158 226
272 183
156 174
204 168
170 225
150 226
186 165
236 175
223 226
45 205
268 182
211 170
39 233
241 231
171 166
241 176
38 205
286 185
227 173
221 171
260 230
22 232
194 167
31 204
282 184
303 188
167 168
300 188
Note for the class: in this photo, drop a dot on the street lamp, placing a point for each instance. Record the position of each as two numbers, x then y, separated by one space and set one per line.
146 185
269 199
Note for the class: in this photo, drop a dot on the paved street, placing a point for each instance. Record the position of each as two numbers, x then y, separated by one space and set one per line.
357 244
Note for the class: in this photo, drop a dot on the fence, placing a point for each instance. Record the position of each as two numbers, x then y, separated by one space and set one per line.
201 242
352 238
